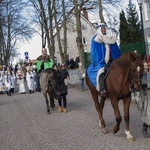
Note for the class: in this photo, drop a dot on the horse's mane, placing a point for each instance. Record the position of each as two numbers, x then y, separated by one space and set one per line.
51 71
125 59
48 70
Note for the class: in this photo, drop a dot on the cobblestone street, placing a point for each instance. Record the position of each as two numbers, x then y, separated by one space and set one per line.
25 125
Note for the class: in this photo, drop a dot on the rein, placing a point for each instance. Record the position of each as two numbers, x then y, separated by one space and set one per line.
140 97
143 98
132 80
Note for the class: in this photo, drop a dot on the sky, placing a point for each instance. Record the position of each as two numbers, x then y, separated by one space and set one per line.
33 47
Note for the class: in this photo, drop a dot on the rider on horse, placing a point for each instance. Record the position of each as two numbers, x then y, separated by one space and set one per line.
103 51
43 62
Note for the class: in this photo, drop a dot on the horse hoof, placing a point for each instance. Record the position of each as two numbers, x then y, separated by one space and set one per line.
131 139
114 131
48 111
104 130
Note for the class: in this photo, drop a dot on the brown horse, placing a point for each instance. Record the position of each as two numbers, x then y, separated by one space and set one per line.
48 84
125 71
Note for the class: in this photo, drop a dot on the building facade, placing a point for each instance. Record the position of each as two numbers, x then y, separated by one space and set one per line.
88 30
146 23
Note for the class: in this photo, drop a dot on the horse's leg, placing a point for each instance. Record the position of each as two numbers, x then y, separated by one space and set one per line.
101 119
126 118
99 107
52 102
46 100
114 103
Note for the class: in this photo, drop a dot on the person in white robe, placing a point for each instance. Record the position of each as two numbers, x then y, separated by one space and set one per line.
12 77
7 82
2 85
20 81
30 79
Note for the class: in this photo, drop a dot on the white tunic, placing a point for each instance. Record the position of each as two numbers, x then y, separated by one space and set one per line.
20 81
30 80
7 82
1 82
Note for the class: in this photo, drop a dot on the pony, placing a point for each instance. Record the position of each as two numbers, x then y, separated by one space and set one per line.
48 84
124 75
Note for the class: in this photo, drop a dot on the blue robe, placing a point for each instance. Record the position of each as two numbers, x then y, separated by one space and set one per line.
98 51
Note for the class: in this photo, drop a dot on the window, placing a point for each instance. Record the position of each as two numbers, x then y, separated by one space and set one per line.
148 10
83 27
148 43
84 41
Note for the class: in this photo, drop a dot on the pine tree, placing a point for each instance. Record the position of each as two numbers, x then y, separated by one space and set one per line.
130 30
123 28
133 24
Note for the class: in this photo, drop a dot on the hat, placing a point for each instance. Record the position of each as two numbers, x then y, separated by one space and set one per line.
80 64
102 25
63 65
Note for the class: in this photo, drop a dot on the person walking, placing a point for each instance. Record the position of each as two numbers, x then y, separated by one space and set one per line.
30 79
20 80
81 75
2 84
62 91
65 74
7 82
12 77
145 118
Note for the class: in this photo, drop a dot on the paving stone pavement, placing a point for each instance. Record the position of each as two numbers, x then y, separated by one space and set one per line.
25 125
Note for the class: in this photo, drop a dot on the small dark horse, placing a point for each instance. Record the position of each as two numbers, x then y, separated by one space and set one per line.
125 71
48 83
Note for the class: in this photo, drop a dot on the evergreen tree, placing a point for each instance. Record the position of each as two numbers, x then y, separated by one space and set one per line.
133 24
130 30
123 28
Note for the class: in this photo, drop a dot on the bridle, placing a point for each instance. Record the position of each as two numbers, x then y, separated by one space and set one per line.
133 80
142 93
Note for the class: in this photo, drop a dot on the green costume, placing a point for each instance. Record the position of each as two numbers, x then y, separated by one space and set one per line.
44 62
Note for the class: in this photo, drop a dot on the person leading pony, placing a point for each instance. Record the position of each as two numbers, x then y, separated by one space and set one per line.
104 50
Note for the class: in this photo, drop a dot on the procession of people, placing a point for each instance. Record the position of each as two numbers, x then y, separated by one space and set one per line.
25 77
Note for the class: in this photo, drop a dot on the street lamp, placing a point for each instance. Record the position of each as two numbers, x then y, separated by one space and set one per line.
140 2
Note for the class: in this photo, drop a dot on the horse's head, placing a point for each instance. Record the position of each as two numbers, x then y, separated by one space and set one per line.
136 70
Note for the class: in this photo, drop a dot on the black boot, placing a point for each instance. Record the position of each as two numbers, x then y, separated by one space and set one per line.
12 90
102 85
144 131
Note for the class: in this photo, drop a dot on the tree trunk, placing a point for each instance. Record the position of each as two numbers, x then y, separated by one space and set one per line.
79 33
101 11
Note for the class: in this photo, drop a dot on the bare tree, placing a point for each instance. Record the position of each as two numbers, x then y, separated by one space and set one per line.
78 8
107 5
51 18
14 28
44 12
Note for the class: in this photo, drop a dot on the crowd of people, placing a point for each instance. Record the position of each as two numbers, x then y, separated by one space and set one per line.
22 76
26 78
